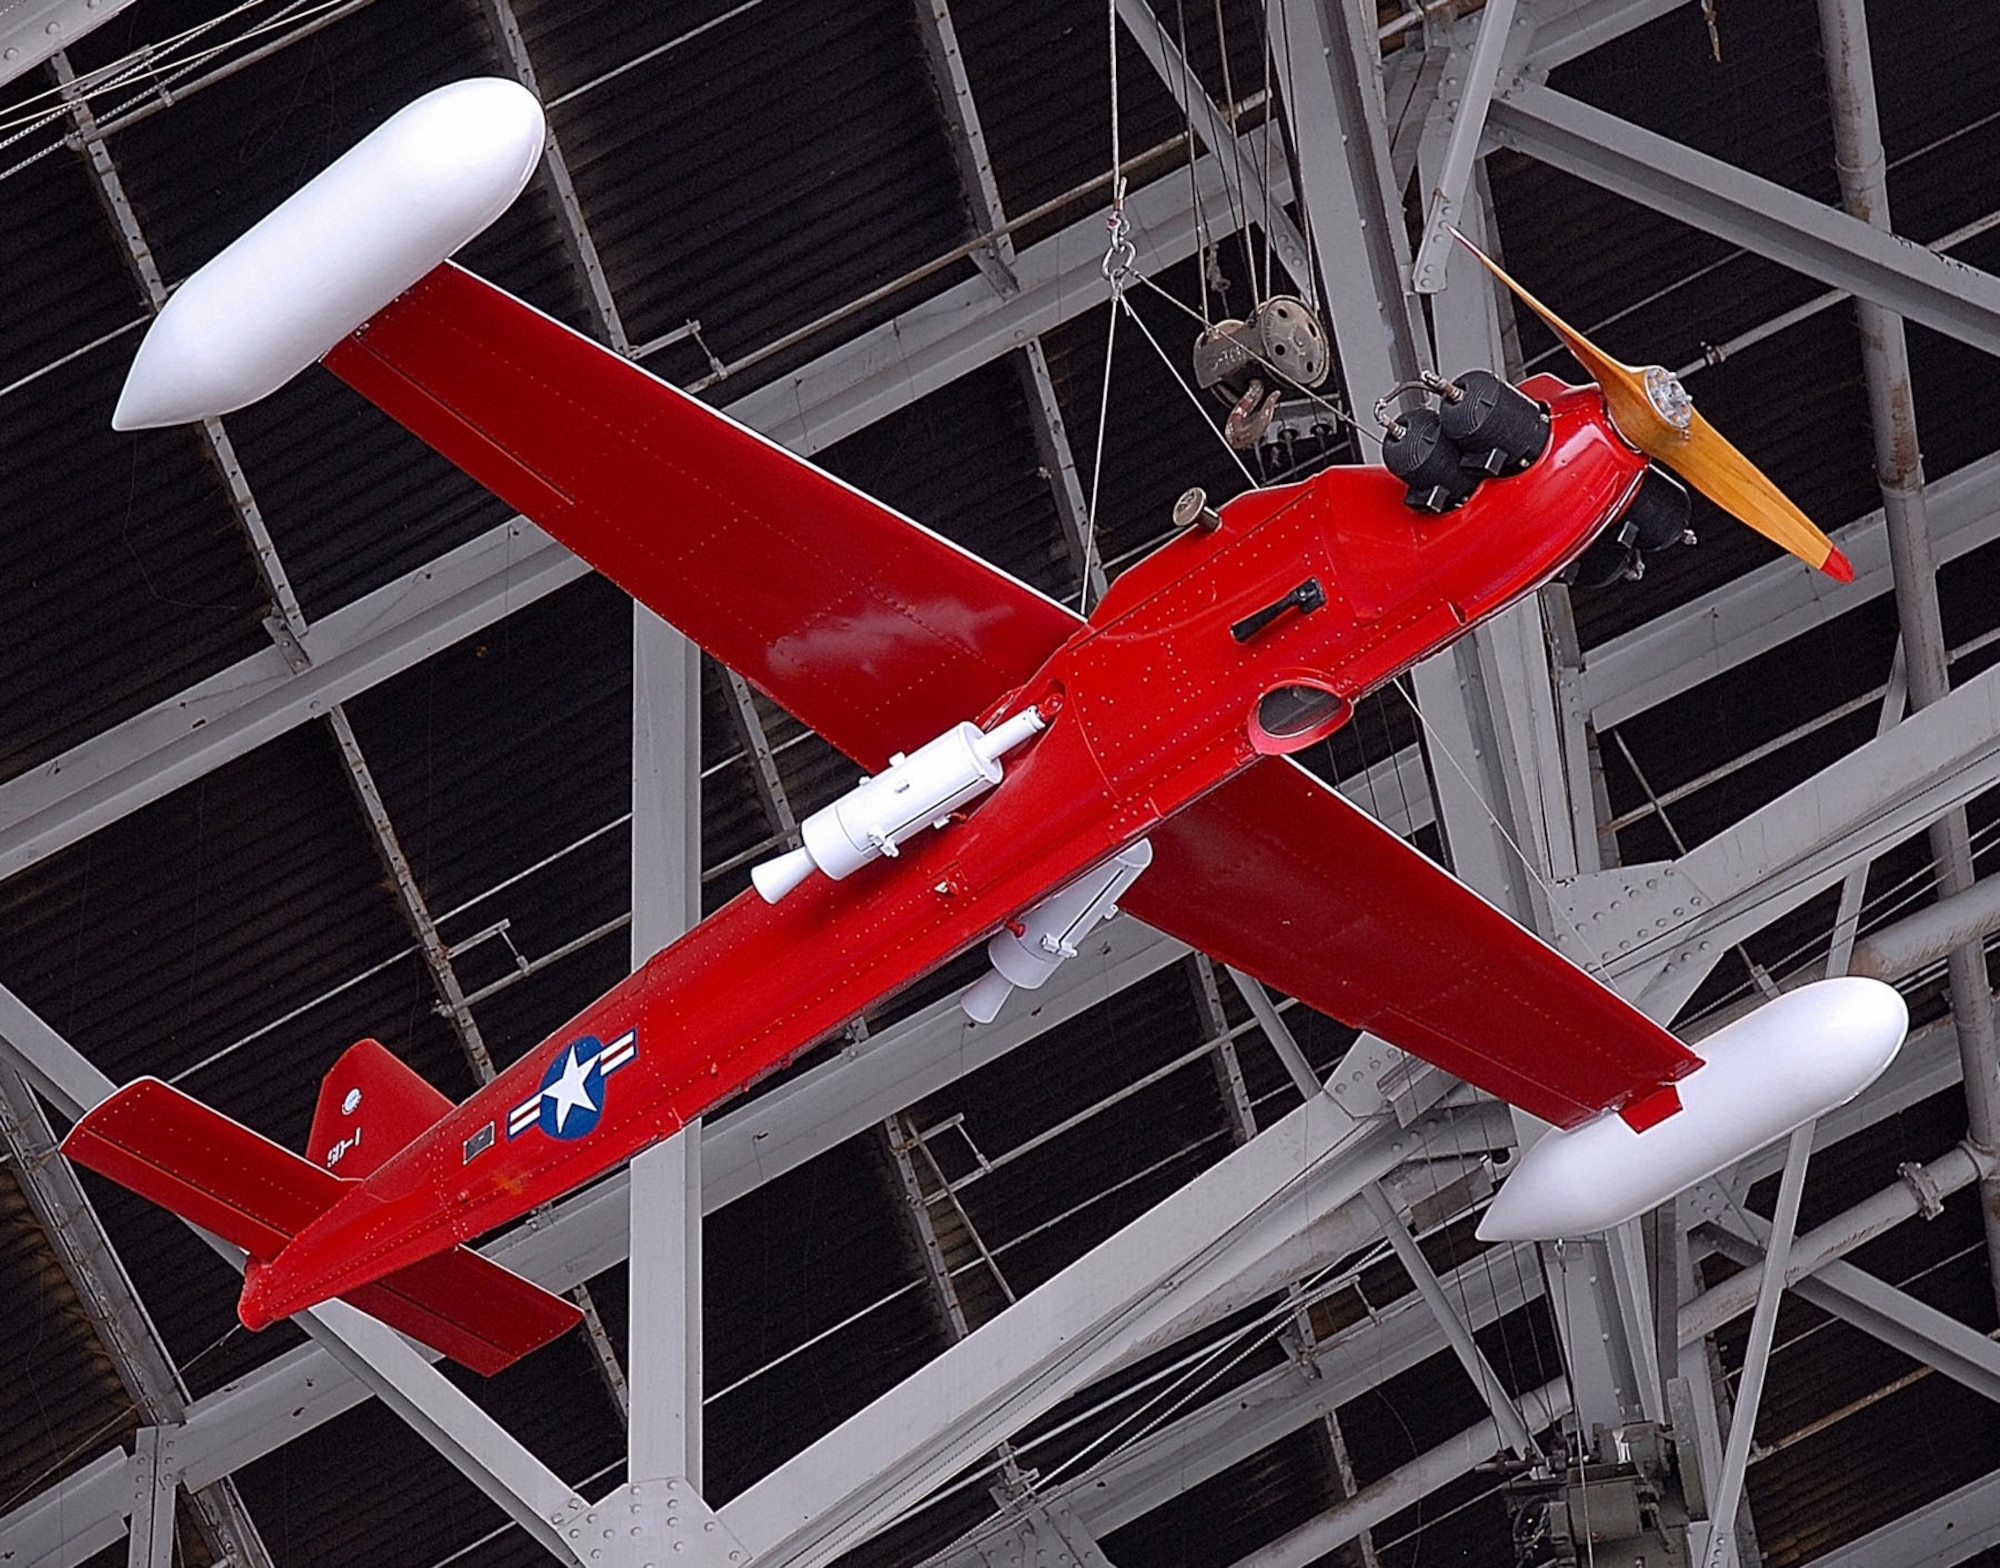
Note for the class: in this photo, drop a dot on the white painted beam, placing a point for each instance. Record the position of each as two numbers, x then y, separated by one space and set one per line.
1671 922
889 1456
1354 219
1958 1526
1407 1485
375 1355
1820 241
664 1361
1777 603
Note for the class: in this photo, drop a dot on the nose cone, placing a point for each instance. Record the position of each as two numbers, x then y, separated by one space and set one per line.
354 237
1795 1058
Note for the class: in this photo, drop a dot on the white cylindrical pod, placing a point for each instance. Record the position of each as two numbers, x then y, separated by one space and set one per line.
1797 1057
1050 931
343 246
1025 952
914 792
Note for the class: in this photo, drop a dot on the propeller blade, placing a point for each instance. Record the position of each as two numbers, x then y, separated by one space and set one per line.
1707 460
1652 410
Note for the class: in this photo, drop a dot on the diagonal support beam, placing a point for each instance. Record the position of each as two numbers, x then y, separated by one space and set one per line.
1715 1543
1955 1528
1468 93
1960 301
1921 1332
895 1452
1766 608
1410 1484
934 343
115 1311
1143 24
584 259
1798 845
1202 1444
1507 1419
1333 95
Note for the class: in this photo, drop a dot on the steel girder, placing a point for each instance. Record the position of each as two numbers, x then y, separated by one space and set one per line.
1822 242
116 1313
1658 929
664 1430
1080 1324
1767 608
1957 1526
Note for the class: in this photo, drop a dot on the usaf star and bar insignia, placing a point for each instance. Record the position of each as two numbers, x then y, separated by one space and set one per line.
571 1097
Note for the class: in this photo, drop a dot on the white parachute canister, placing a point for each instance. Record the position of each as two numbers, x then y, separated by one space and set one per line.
1029 950
1798 1056
914 792
333 254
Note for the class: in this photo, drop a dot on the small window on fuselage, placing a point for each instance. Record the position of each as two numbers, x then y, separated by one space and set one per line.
1285 711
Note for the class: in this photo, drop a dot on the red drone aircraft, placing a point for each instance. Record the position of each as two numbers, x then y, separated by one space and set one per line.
1144 764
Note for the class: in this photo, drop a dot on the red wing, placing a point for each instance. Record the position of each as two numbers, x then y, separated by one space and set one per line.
870 629
1279 876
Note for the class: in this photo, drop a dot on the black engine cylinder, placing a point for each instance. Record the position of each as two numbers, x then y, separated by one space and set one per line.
1659 513
1499 429
1655 519
1418 452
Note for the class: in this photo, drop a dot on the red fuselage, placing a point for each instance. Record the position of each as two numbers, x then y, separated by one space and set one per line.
1153 703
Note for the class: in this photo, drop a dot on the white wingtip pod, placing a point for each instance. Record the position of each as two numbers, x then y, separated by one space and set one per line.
1796 1057
347 243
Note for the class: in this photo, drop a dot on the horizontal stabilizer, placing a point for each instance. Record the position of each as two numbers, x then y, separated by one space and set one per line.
206 1168
469 1308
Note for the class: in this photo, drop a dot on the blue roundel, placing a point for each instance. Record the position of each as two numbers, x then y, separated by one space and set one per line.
573 1090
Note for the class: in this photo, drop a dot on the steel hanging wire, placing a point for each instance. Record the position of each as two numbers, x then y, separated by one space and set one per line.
1120 257
1194 397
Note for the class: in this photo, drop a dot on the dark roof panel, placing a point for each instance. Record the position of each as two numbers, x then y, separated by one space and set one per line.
113 540
712 195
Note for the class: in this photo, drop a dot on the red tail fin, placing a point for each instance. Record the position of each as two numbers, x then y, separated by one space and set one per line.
370 1106
205 1167
248 1190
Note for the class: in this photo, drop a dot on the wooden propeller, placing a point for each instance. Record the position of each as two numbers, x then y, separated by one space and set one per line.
1652 410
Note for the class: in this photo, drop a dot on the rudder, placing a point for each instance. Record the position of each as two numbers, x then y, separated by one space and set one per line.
371 1106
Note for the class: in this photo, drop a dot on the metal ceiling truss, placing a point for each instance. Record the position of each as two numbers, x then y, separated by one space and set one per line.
123 1328
998 262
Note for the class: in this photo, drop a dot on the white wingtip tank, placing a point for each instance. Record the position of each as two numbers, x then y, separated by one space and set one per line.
354 237
1797 1057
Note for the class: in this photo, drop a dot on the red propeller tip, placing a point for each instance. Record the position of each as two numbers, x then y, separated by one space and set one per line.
1838 567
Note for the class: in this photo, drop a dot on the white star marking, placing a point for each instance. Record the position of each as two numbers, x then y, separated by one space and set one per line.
569 1091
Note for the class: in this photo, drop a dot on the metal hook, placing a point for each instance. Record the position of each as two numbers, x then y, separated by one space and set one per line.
1120 255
